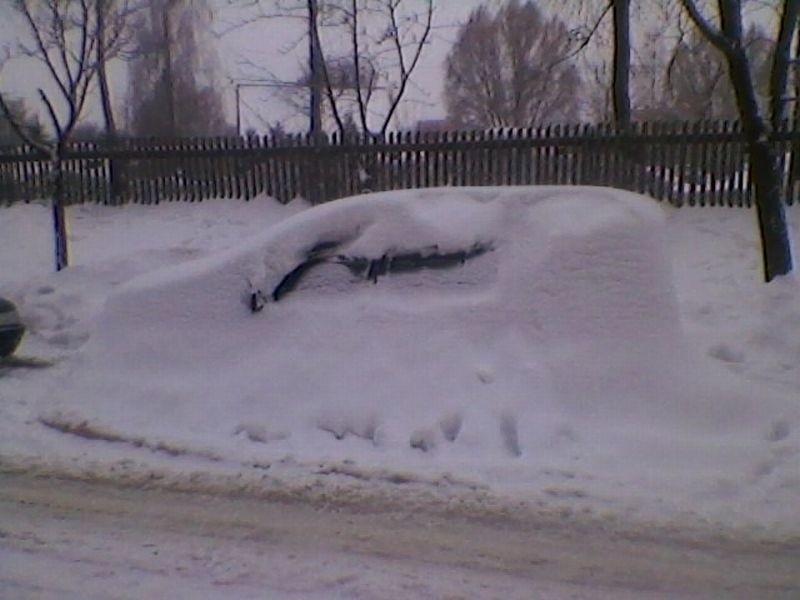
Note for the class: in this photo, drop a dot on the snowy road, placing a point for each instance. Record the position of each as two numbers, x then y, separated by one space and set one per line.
72 539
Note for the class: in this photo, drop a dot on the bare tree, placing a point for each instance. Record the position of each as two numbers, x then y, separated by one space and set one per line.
588 28
729 39
697 86
362 57
674 71
506 69
173 91
376 65
62 37
115 22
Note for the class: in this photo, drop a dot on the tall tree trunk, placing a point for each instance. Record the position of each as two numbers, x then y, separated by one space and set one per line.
779 77
102 8
764 164
765 172
621 72
622 63
794 168
115 168
105 100
775 247
315 66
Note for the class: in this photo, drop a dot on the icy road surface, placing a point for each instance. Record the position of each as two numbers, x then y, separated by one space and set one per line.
76 539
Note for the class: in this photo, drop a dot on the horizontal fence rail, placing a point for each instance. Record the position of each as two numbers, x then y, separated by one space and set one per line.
695 164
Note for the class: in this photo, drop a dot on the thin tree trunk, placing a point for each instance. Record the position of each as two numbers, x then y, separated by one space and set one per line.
101 7
59 216
794 167
105 99
621 85
779 77
314 59
776 251
622 63
115 168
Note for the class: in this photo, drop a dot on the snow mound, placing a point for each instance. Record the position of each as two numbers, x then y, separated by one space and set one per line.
109 246
472 325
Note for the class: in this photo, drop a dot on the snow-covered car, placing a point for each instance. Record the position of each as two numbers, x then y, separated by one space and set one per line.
435 320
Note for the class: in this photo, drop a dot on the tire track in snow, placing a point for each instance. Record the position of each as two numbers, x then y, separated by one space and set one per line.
66 538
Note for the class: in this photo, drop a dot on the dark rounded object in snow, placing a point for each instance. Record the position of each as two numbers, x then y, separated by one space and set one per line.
11 328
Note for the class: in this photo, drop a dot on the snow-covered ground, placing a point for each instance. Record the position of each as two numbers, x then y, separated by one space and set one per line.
64 540
599 355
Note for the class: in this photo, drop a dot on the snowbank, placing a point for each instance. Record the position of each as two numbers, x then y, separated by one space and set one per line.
110 246
548 358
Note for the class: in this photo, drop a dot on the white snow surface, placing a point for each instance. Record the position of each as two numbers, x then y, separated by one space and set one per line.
606 354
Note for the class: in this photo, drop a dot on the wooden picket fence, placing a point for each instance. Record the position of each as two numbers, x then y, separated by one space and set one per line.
695 164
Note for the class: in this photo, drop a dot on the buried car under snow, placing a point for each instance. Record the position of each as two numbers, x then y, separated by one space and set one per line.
417 320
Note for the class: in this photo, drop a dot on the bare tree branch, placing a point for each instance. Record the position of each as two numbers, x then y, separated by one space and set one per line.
715 36
51 112
42 53
779 75
588 37
406 73
362 109
328 86
370 50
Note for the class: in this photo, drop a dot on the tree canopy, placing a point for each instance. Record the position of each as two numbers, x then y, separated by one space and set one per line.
509 68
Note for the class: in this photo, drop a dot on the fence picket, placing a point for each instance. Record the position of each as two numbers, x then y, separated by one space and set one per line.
266 168
703 164
635 154
738 169
225 163
503 173
287 187
297 180
277 167
718 166
671 179
688 163
709 171
247 168
202 173
221 164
